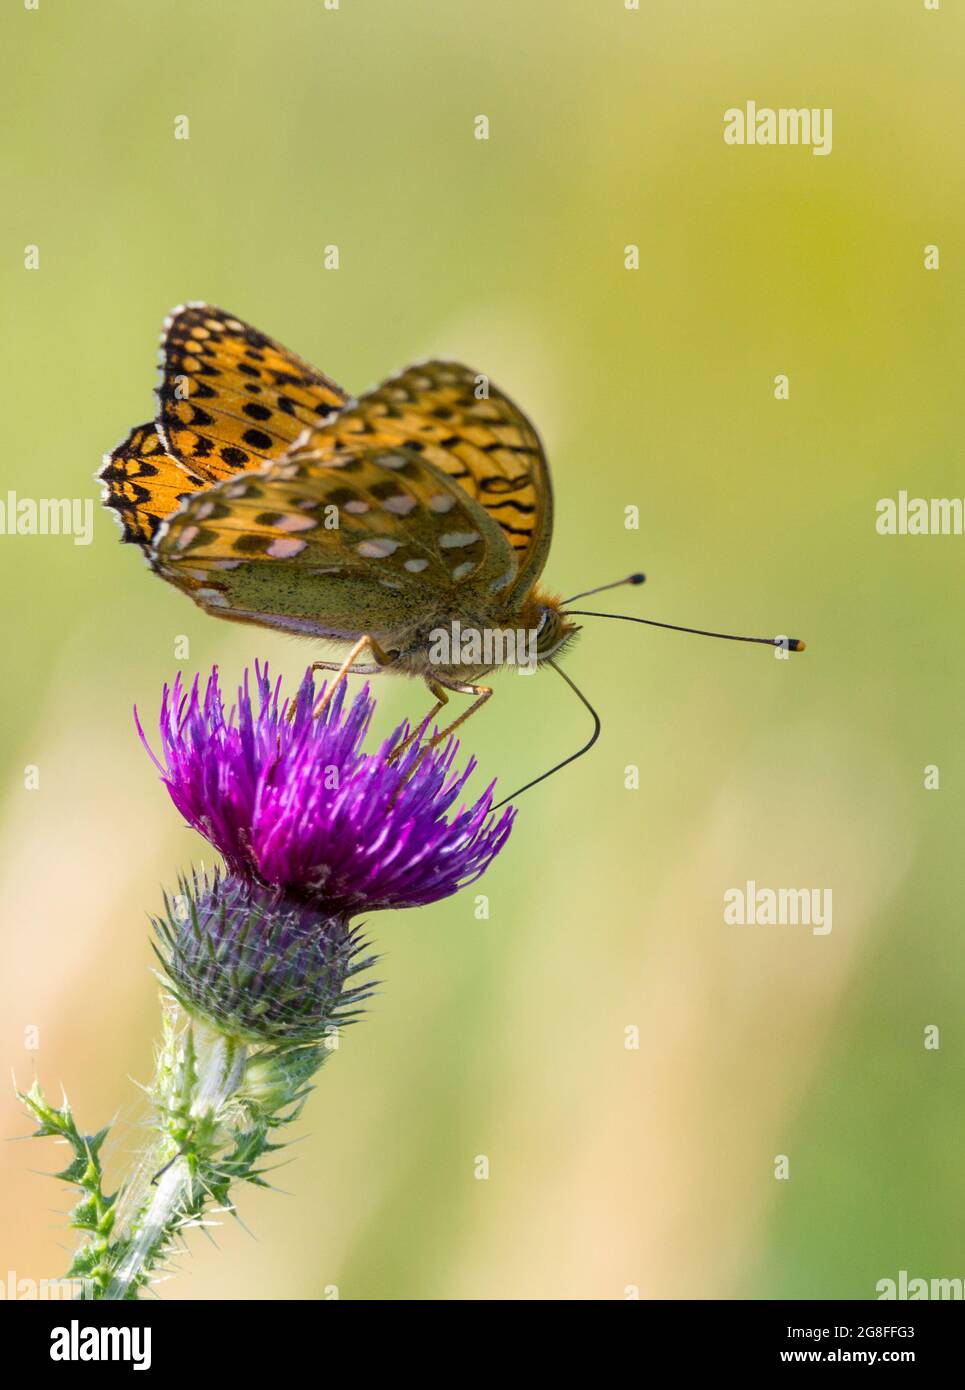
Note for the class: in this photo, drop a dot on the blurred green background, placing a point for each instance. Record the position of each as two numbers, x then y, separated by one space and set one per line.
610 1168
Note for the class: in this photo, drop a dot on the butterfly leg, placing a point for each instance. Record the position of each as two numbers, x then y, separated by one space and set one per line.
441 699
440 689
482 693
382 658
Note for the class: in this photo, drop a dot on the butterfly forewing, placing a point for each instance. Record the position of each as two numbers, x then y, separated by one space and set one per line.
230 398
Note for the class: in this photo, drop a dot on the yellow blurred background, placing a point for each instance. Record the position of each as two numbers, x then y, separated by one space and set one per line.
612 1168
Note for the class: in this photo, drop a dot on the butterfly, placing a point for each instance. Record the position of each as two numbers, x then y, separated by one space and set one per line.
411 524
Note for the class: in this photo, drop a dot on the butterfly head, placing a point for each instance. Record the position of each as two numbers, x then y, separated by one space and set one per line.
554 630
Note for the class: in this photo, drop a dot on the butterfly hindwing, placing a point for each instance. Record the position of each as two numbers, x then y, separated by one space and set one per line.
143 484
367 540
465 426
232 399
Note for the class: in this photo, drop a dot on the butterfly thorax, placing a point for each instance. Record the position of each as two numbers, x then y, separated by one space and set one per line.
466 645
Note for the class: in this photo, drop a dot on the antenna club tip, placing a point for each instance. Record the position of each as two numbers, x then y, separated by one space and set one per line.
638 578
795 644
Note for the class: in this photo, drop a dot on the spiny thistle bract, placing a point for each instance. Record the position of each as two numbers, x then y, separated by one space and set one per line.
257 964
259 958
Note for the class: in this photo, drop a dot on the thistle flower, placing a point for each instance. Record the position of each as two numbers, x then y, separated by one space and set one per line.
260 957
292 802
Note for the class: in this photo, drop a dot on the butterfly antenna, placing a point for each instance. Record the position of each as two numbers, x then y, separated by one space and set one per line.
791 644
637 578
573 756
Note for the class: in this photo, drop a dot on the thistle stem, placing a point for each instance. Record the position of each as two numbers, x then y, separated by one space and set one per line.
158 1201
219 1104
155 1224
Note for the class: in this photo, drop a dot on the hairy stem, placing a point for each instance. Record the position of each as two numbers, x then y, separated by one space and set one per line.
218 1102
158 1204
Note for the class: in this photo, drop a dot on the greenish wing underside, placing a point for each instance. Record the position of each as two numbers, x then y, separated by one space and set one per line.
364 541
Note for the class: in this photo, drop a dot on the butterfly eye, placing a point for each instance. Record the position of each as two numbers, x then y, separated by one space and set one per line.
547 629
544 618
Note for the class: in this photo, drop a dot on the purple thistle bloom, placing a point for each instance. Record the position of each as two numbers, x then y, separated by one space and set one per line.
292 802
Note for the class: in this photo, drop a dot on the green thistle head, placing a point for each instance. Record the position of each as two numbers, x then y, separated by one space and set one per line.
256 964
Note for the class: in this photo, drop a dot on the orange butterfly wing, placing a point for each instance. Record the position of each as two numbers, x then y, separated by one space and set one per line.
231 399
143 484
457 420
